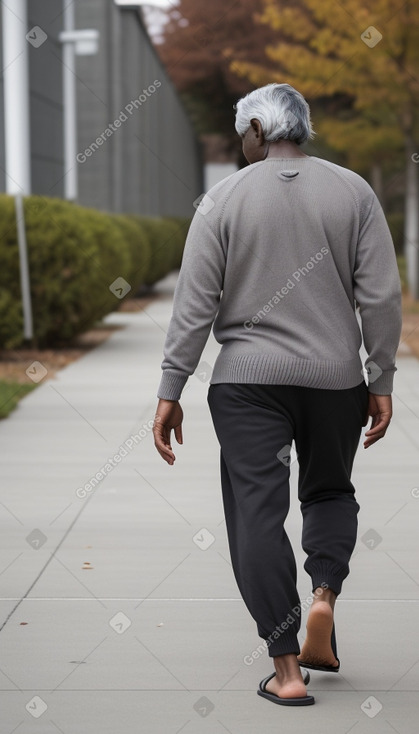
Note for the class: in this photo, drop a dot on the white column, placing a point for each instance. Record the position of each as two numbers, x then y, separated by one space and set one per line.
70 109
16 98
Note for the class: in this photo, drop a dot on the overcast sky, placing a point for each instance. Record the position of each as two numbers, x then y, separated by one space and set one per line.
155 16
154 13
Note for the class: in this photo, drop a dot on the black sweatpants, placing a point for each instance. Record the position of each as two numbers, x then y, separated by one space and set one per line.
255 426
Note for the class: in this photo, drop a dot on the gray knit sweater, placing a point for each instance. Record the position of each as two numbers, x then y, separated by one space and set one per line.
277 258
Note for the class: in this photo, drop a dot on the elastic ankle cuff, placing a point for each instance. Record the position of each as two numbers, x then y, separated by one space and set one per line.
328 578
283 642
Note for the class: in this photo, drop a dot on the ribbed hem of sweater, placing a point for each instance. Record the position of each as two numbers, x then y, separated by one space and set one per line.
272 369
383 385
171 385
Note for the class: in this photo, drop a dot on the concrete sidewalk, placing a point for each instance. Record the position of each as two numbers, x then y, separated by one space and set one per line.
119 609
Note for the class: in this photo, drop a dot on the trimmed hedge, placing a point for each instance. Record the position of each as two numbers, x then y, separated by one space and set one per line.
75 254
166 241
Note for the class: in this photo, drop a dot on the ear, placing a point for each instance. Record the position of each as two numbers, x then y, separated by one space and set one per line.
257 128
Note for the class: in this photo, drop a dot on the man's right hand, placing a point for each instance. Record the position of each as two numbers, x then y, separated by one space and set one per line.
169 416
380 409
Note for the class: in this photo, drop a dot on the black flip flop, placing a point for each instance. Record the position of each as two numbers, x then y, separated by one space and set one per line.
325 668
322 668
302 701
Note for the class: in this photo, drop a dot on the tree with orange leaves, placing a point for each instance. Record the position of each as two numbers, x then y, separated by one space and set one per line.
371 57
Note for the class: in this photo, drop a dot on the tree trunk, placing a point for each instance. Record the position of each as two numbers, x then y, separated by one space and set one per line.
411 227
377 182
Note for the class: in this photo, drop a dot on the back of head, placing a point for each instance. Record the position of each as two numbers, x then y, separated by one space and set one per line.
281 110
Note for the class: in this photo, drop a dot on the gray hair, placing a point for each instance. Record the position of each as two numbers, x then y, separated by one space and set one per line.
282 111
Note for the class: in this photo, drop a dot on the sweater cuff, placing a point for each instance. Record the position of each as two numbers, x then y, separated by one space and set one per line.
383 385
171 385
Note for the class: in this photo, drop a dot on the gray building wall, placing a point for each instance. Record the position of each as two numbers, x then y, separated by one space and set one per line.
149 164
46 102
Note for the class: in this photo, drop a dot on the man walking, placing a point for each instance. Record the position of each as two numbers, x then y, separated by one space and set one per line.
278 257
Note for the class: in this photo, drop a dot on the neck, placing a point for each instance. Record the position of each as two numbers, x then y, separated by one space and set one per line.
285 149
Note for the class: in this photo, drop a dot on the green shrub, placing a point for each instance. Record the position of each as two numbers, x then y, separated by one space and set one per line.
11 319
167 238
136 240
75 254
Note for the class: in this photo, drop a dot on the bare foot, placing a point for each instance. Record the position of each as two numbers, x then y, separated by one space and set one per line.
317 648
288 682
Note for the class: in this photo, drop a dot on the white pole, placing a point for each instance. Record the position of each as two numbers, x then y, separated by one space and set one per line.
70 108
16 98
25 284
